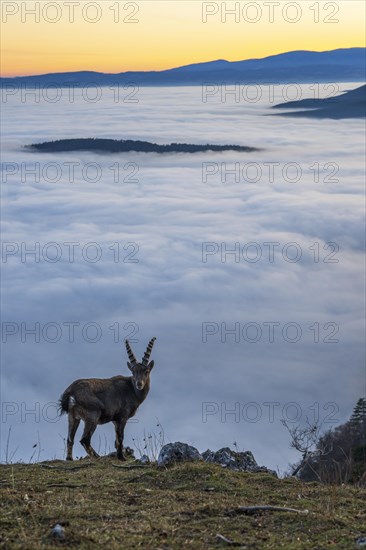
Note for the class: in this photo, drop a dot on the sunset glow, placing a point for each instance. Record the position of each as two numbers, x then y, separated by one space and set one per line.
42 37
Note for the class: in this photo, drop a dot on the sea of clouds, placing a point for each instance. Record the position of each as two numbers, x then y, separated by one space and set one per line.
140 266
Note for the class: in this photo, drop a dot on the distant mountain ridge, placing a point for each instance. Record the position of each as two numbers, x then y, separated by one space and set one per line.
351 104
341 65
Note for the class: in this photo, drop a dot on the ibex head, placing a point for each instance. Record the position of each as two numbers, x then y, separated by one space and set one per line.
140 371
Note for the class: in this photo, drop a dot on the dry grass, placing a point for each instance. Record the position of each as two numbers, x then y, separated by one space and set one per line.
182 507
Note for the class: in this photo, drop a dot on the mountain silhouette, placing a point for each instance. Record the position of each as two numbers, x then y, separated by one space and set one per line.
341 65
351 104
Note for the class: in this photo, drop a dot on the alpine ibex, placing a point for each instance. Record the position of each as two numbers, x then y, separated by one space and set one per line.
101 400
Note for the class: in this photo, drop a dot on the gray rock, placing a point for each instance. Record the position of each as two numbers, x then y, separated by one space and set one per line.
177 452
128 452
58 532
225 457
144 459
239 462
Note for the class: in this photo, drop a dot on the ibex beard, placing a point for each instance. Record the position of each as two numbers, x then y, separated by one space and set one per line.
102 400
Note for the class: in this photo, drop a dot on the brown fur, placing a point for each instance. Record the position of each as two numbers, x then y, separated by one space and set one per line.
101 400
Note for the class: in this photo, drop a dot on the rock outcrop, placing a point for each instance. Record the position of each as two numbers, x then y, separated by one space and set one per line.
233 460
225 457
177 452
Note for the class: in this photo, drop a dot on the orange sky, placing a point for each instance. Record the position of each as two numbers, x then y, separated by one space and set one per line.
115 36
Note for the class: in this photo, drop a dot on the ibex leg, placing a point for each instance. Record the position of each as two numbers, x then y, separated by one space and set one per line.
89 429
120 430
73 426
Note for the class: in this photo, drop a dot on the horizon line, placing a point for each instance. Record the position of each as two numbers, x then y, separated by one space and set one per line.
181 66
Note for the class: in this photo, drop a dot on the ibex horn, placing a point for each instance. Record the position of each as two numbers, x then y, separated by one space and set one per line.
146 357
130 354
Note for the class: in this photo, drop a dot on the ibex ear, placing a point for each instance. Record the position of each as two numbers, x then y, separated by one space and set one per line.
150 365
130 366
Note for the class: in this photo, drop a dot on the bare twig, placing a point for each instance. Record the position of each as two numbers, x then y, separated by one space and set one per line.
228 541
254 509
9 456
67 485
129 466
39 449
7 446
305 440
151 443
64 442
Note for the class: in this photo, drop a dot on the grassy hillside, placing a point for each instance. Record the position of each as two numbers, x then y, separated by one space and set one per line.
185 506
